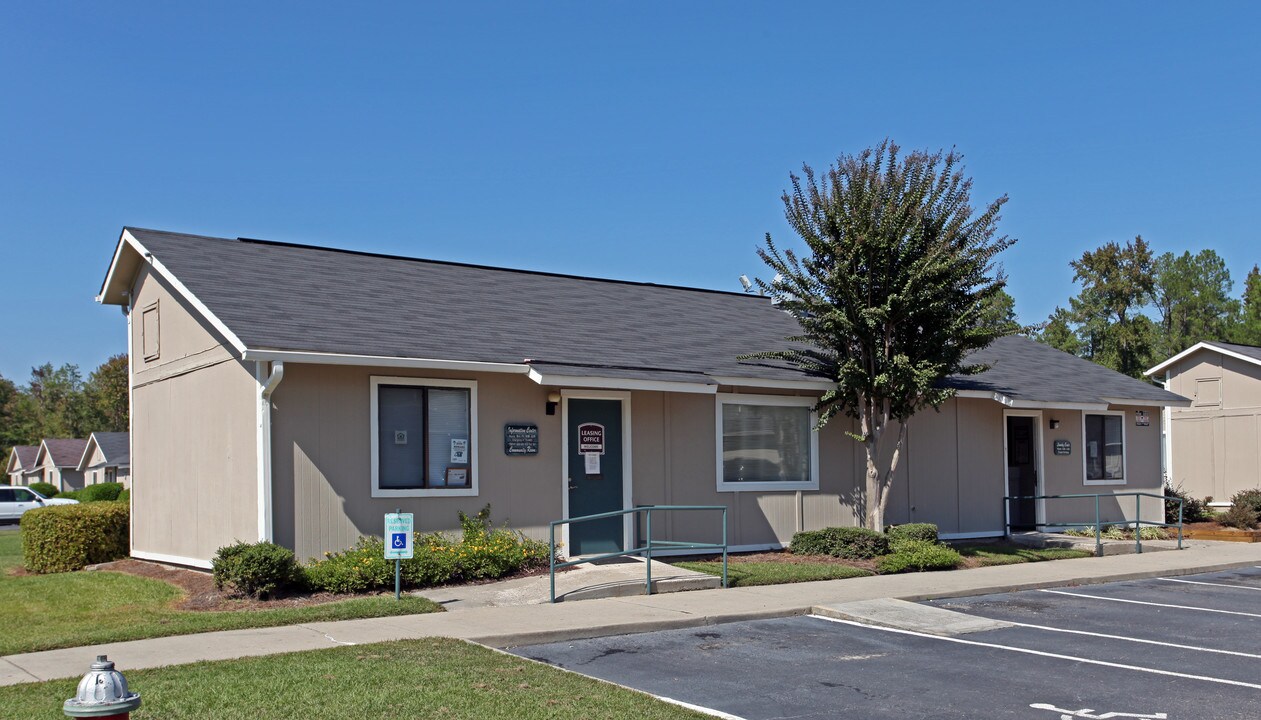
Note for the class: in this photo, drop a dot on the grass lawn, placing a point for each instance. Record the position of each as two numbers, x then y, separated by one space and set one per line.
1002 554
43 612
775 573
433 678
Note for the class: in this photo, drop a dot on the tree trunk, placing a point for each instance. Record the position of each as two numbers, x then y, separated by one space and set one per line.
877 484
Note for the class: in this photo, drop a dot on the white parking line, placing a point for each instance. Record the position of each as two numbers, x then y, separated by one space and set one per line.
1137 640
1201 582
1156 604
1040 653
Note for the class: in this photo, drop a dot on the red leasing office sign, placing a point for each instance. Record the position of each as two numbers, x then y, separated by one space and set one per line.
591 439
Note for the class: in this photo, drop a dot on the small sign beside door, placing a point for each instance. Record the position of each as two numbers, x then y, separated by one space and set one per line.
1141 418
1063 447
521 439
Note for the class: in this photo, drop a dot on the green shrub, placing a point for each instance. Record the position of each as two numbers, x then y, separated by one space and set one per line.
1239 516
850 543
917 556
64 538
70 495
124 496
483 552
1250 498
100 492
259 569
1193 510
46 489
913 531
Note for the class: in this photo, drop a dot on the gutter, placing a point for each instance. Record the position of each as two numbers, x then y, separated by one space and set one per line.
267 384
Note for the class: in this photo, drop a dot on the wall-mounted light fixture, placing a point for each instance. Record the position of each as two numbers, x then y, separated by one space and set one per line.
1055 424
553 398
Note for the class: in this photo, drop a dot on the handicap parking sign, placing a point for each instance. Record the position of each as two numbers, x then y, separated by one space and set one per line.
398 536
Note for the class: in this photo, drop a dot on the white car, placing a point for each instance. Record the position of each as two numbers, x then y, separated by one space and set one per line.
16 500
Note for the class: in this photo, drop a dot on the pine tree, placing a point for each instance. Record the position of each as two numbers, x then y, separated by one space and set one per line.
891 295
1247 330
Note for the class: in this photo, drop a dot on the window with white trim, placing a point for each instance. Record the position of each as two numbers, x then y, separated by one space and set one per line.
1103 442
767 442
423 437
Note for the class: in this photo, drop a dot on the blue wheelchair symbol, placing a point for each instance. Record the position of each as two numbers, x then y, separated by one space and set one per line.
398 541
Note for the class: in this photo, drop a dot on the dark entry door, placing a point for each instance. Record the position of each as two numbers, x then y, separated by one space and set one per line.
1022 471
595 486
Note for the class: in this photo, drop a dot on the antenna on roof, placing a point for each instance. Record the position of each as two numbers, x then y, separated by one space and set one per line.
744 281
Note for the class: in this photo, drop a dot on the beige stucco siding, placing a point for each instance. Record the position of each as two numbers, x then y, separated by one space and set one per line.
193 436
1215 444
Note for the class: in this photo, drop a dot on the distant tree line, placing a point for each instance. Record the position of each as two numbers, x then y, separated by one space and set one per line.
59 403
1136 309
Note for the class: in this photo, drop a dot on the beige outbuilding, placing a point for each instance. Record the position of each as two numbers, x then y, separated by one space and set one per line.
107 459
57 463
1213 446
297 394
21 466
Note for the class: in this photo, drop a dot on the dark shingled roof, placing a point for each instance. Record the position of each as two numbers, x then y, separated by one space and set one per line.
1023 369
65 452
279 296
115 446
26 455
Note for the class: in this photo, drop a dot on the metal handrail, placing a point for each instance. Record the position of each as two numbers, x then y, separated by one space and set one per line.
645 549
1138 521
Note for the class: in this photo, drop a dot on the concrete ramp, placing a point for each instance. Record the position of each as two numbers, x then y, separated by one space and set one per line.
903 615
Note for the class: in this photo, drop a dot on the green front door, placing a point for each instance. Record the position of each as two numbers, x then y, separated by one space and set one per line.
595 483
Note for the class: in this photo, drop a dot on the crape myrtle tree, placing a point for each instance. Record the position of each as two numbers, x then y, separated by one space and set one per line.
896 287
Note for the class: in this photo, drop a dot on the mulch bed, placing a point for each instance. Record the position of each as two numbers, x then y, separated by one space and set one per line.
780 556
200 593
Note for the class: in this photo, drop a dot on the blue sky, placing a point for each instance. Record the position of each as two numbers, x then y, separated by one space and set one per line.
644 141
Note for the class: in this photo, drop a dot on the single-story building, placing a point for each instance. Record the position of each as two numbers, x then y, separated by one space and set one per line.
296 394
107 458
21 467
1213 447
57 462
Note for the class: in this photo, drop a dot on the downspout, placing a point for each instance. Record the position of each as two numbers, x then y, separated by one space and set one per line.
131 415
267 385
1166 436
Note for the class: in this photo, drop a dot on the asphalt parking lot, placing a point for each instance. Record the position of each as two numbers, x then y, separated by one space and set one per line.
1176 648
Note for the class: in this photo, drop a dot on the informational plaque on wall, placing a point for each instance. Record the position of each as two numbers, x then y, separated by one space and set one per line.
521 439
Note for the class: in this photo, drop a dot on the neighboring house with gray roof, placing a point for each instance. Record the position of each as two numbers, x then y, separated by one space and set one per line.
107 458
21 466
57 462
1214 445
296 394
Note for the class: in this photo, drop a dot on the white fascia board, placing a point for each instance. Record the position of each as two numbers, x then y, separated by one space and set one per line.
1154 403
113 266
87 453
1014 404
986 395
321 358
1202 346
579 381
821 385
179 287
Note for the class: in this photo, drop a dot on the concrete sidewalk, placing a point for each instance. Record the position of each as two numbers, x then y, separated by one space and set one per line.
531 624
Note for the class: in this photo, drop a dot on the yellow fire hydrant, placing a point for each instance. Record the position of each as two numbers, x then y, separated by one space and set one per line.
102 694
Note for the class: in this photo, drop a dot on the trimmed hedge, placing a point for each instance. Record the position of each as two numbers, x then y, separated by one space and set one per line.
124 496
850 543
913 531
918 556
65 538
46 489
100 492
259 569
